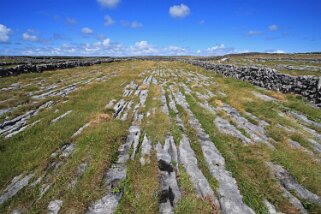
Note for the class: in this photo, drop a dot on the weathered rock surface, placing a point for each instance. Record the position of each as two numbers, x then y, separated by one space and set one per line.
164 102
225 127
257 133
61 116
315 145
291 185
169 190
263 97
17 184
135 138
296 145
146 150
188 159
62 92
80 130
143 96
305 120
271 208
126 111
13 126
54 206
119 107
230 198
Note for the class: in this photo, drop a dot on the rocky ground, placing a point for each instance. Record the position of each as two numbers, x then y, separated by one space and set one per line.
155 137
292 64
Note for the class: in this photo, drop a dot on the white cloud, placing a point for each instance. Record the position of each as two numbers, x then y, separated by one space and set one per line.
179 11
142 45
99 46
104 43
273 28
106 47
109 3
4 33
142 48
276 51
253 33
175 50
136 24
70 21
28 36
108 21
133 24
86 30
219 49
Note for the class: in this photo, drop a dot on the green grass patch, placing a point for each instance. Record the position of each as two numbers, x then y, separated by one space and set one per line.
140 188
190 203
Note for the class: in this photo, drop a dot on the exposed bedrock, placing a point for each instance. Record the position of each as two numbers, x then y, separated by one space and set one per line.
307 86
169 193
17 183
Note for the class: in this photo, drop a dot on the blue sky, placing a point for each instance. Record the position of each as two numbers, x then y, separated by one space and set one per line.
158 27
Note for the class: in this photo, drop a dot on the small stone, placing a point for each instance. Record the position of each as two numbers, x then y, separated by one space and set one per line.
54 206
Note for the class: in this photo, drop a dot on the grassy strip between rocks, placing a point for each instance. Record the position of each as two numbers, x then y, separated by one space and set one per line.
141 185
308 171
247 165
36 144
303 167
192 135
205 205
157 124
140 188
29 83
190 202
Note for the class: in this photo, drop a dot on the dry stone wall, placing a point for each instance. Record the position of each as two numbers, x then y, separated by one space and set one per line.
307 86
34 67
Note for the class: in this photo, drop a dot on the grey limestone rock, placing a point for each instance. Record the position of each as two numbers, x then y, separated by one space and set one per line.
271 208
80 130
257 133
291 185
305 120
230 199
17 184
188 159
119 107
225 127
146 150
143 96
263 97
164 102
54 206
61 116
169 190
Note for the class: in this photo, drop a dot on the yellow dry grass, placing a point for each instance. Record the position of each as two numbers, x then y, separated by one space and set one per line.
100 118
